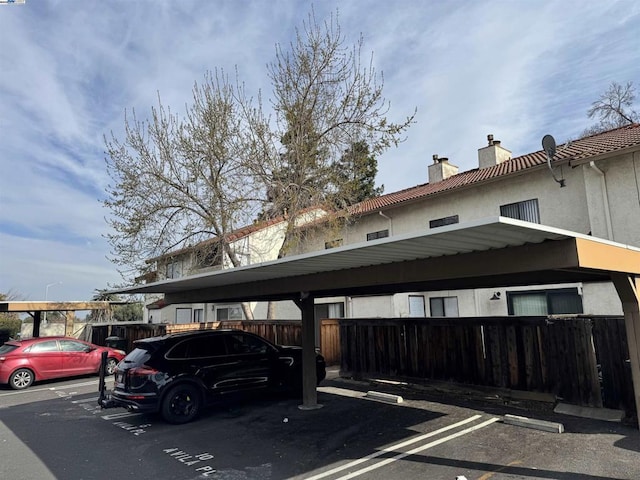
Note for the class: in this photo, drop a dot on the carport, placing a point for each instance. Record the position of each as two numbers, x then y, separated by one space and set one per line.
36 308
494 252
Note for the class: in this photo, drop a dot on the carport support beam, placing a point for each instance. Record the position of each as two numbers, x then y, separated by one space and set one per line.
628 288
309 382
37 318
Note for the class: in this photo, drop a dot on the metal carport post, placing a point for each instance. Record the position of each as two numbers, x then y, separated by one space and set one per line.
628 288
309 391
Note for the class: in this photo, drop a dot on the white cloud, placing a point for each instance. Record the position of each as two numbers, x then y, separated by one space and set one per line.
70 69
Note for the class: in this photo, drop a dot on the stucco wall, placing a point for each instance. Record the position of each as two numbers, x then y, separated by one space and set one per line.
580 206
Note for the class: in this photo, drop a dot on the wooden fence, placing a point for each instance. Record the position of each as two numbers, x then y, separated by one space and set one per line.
130 332
582 360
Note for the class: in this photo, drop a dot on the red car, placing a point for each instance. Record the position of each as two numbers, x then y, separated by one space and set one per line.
23 362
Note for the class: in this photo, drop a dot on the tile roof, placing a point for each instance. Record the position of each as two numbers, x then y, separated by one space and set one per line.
608 142
584 148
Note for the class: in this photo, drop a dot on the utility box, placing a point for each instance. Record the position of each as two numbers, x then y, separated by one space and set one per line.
116 342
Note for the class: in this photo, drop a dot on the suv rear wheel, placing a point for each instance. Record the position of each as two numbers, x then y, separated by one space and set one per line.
181 404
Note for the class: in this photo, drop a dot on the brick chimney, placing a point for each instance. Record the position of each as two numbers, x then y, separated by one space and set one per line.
441 169
493 154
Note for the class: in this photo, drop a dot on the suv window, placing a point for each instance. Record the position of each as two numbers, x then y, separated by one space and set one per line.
240 343
199 347
137 356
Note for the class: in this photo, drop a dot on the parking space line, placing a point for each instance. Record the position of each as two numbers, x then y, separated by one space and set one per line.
113 416
49 389
86 400
395 447
400 456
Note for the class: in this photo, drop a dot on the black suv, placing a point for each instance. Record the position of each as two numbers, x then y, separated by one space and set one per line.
177 374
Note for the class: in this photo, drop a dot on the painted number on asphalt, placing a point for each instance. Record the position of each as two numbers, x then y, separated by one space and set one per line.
192 460
135 429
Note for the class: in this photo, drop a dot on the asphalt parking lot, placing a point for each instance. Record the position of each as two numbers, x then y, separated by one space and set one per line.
55 430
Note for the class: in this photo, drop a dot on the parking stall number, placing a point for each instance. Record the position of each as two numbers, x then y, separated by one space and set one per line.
135 429
192 460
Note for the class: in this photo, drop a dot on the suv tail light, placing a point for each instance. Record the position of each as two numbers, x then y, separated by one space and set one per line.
138 376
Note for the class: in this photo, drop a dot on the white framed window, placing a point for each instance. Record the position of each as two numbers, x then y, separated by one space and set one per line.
183 315
416 306
444 306
377 235
229 312
544 302
174 269
527 210
441 222
198 315
329 310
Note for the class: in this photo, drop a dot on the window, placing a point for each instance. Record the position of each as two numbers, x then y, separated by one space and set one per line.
444 306
183 315
416 306
377 235
329 310
173 270
198 315
232 312
71 346
50 346
239 344
527 210
208 256
333 244
199 347
441 222
544 302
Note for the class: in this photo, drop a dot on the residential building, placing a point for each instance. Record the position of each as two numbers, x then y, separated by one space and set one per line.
255 243
592 186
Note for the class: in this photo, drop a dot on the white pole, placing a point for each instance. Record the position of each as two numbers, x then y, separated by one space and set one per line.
46 295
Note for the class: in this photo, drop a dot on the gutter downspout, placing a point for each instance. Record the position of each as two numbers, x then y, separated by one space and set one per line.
605 197
390 222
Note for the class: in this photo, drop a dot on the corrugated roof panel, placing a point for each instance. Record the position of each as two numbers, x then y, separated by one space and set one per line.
480 235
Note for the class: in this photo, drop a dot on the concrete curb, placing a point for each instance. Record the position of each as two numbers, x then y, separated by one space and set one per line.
543 425
384 397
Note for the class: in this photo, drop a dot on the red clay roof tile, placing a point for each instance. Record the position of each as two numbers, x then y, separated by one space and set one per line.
584 148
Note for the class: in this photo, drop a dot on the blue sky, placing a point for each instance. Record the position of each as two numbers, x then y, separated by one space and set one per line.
70 69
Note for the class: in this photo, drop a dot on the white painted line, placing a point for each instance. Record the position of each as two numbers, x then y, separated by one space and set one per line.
393 448
86 400
51 389
113 416
382 463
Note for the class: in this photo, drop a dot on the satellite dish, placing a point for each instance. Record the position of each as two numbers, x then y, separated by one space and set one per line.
549 147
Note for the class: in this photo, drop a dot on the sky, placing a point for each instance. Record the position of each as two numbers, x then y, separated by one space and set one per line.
69 69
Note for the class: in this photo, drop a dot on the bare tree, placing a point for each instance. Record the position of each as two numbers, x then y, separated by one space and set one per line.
178 182
325 101
613 109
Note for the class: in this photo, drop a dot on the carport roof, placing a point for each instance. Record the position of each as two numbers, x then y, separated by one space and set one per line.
490 252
